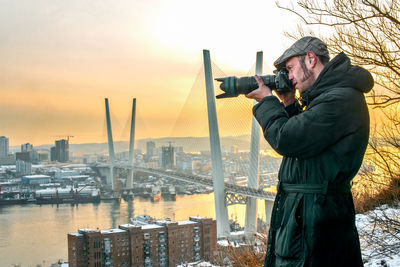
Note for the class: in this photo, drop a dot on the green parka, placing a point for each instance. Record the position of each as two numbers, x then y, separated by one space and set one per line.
313 219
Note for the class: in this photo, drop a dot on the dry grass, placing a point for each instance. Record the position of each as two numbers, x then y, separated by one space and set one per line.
369 192
244 256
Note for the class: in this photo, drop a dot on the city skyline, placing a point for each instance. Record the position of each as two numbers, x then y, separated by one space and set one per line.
61 59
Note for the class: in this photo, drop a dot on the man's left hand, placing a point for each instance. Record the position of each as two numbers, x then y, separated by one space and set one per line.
261 92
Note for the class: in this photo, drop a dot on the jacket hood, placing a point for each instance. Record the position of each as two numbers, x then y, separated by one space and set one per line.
340 73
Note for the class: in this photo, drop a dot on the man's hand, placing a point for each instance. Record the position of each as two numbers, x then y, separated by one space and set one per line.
287 98
264 91
261 92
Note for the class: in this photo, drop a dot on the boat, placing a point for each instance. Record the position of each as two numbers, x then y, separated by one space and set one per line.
67 195
172 192
13 201
155 197
12 198
155 194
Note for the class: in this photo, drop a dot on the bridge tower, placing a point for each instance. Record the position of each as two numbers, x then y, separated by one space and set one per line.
129 182
250 227
111 153
221 209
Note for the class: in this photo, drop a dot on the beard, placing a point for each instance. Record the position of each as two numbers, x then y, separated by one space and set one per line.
306 72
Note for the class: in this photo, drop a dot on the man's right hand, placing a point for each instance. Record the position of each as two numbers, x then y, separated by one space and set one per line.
287 98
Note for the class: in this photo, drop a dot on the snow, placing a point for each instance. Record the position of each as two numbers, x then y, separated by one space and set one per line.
36 176
196 264
151 226
365 222
232 243
87 230
390 262
76 234
114 230
186 222
237 233
127 225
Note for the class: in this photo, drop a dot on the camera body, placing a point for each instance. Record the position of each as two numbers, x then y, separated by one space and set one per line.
233 86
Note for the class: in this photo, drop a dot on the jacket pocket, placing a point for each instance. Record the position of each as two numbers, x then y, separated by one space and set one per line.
289 236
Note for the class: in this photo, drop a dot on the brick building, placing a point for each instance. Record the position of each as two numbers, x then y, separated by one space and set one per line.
159 244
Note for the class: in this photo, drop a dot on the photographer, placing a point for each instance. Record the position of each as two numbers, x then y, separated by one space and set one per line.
322 138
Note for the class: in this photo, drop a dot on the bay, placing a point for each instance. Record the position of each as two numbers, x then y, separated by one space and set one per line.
37 234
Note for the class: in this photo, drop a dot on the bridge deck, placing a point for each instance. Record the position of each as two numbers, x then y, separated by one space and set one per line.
202 180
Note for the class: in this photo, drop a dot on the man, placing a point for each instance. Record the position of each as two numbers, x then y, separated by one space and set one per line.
322 141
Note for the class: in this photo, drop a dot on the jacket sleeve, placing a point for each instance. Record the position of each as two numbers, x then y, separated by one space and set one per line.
293 109
311 131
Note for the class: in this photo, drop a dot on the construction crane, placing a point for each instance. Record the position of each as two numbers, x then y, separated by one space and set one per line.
67 136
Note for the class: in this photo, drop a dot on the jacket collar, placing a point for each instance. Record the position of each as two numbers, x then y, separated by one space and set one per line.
316 88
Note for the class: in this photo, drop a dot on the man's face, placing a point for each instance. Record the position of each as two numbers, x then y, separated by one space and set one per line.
300 72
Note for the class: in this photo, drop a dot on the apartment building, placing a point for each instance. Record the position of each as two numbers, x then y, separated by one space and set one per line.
157 243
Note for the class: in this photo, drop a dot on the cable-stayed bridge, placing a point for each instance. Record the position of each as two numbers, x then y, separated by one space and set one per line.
224 193
202 180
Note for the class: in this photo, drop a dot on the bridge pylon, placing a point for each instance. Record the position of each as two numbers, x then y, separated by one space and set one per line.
221 210
110 147
250 227
129 182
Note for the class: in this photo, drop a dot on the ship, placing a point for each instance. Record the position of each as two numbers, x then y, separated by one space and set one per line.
11 198
168 192
172 192
155 194
67 195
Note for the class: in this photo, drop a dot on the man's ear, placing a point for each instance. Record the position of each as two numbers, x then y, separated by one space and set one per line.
312 59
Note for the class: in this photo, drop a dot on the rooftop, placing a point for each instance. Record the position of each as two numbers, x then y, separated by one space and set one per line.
76 234
151 226
113 230
187 222
36 176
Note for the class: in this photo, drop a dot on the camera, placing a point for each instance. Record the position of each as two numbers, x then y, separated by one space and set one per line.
233 86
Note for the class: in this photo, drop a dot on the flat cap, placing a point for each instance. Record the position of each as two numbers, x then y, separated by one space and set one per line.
301 47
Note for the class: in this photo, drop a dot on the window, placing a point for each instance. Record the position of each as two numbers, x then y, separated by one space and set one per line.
207 240
207 230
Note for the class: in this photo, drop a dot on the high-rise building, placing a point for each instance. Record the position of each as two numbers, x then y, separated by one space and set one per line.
4 147
159 244
53 156
24 156
60 152
168 157
26 147
150 149
28 154
23 167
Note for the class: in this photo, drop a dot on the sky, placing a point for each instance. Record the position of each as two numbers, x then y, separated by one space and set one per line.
60 59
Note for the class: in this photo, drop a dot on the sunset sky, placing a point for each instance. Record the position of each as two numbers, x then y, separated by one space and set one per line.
60 59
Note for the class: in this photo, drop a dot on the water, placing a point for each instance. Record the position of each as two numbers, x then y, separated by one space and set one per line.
37 234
